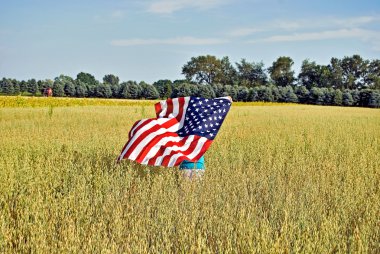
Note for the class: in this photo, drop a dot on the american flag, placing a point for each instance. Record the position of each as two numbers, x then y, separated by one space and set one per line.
183 130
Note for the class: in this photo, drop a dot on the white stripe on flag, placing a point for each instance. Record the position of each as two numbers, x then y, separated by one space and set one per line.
153 151
174 148
187 99
142 130
175 107
192 155
164 107
137 125
142 144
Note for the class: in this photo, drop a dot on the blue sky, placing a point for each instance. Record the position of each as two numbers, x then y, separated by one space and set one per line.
152 39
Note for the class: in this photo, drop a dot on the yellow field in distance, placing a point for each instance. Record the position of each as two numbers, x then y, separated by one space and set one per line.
25 101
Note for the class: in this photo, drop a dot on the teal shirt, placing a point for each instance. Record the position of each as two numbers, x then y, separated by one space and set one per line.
200 164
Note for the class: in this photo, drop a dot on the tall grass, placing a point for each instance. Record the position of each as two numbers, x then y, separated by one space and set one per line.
289 179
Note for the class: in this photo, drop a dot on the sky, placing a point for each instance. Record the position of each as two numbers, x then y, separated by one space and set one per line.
148 40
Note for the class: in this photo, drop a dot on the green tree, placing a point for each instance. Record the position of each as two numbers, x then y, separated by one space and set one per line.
164 88
228 74
355 97
230 90
203 70
90 81
242 93
328 95
365 97
347 98
115 89
143 88
290 96
354 71
16 87
103 90
218 89
41 86
58 89
324 79
309 74
32 86
80 89
338 98
7 86
206 91
336 73
302 94
372 78
251 74
23 86
111 79
313 74
151 93
277 96
316 96
374 100
194 88
135 91
64 79
181 90
282 93
148 91
69 89
131 90
253 94
281 71
264 93
87 78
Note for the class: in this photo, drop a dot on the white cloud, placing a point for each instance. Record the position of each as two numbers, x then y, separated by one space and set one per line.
322 35
170 6
169 41
244 31
356 21
326 23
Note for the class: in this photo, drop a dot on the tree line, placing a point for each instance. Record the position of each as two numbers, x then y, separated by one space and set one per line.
350 81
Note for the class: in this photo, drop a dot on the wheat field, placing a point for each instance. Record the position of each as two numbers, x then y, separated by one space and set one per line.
279 179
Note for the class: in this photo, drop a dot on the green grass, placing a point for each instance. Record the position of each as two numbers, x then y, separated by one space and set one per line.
289 179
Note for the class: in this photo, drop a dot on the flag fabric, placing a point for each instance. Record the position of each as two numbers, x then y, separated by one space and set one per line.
183 130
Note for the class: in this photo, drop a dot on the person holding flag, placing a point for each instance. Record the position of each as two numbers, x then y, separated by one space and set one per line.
193 170
184 129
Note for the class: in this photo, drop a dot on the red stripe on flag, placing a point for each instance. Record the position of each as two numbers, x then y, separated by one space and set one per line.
181 103
133 132
118 158
169 109
143 135
130 134
158 108
133 126
152 143
205 146
162 149
188 151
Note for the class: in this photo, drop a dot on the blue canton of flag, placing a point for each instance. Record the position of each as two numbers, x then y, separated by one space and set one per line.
204 117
